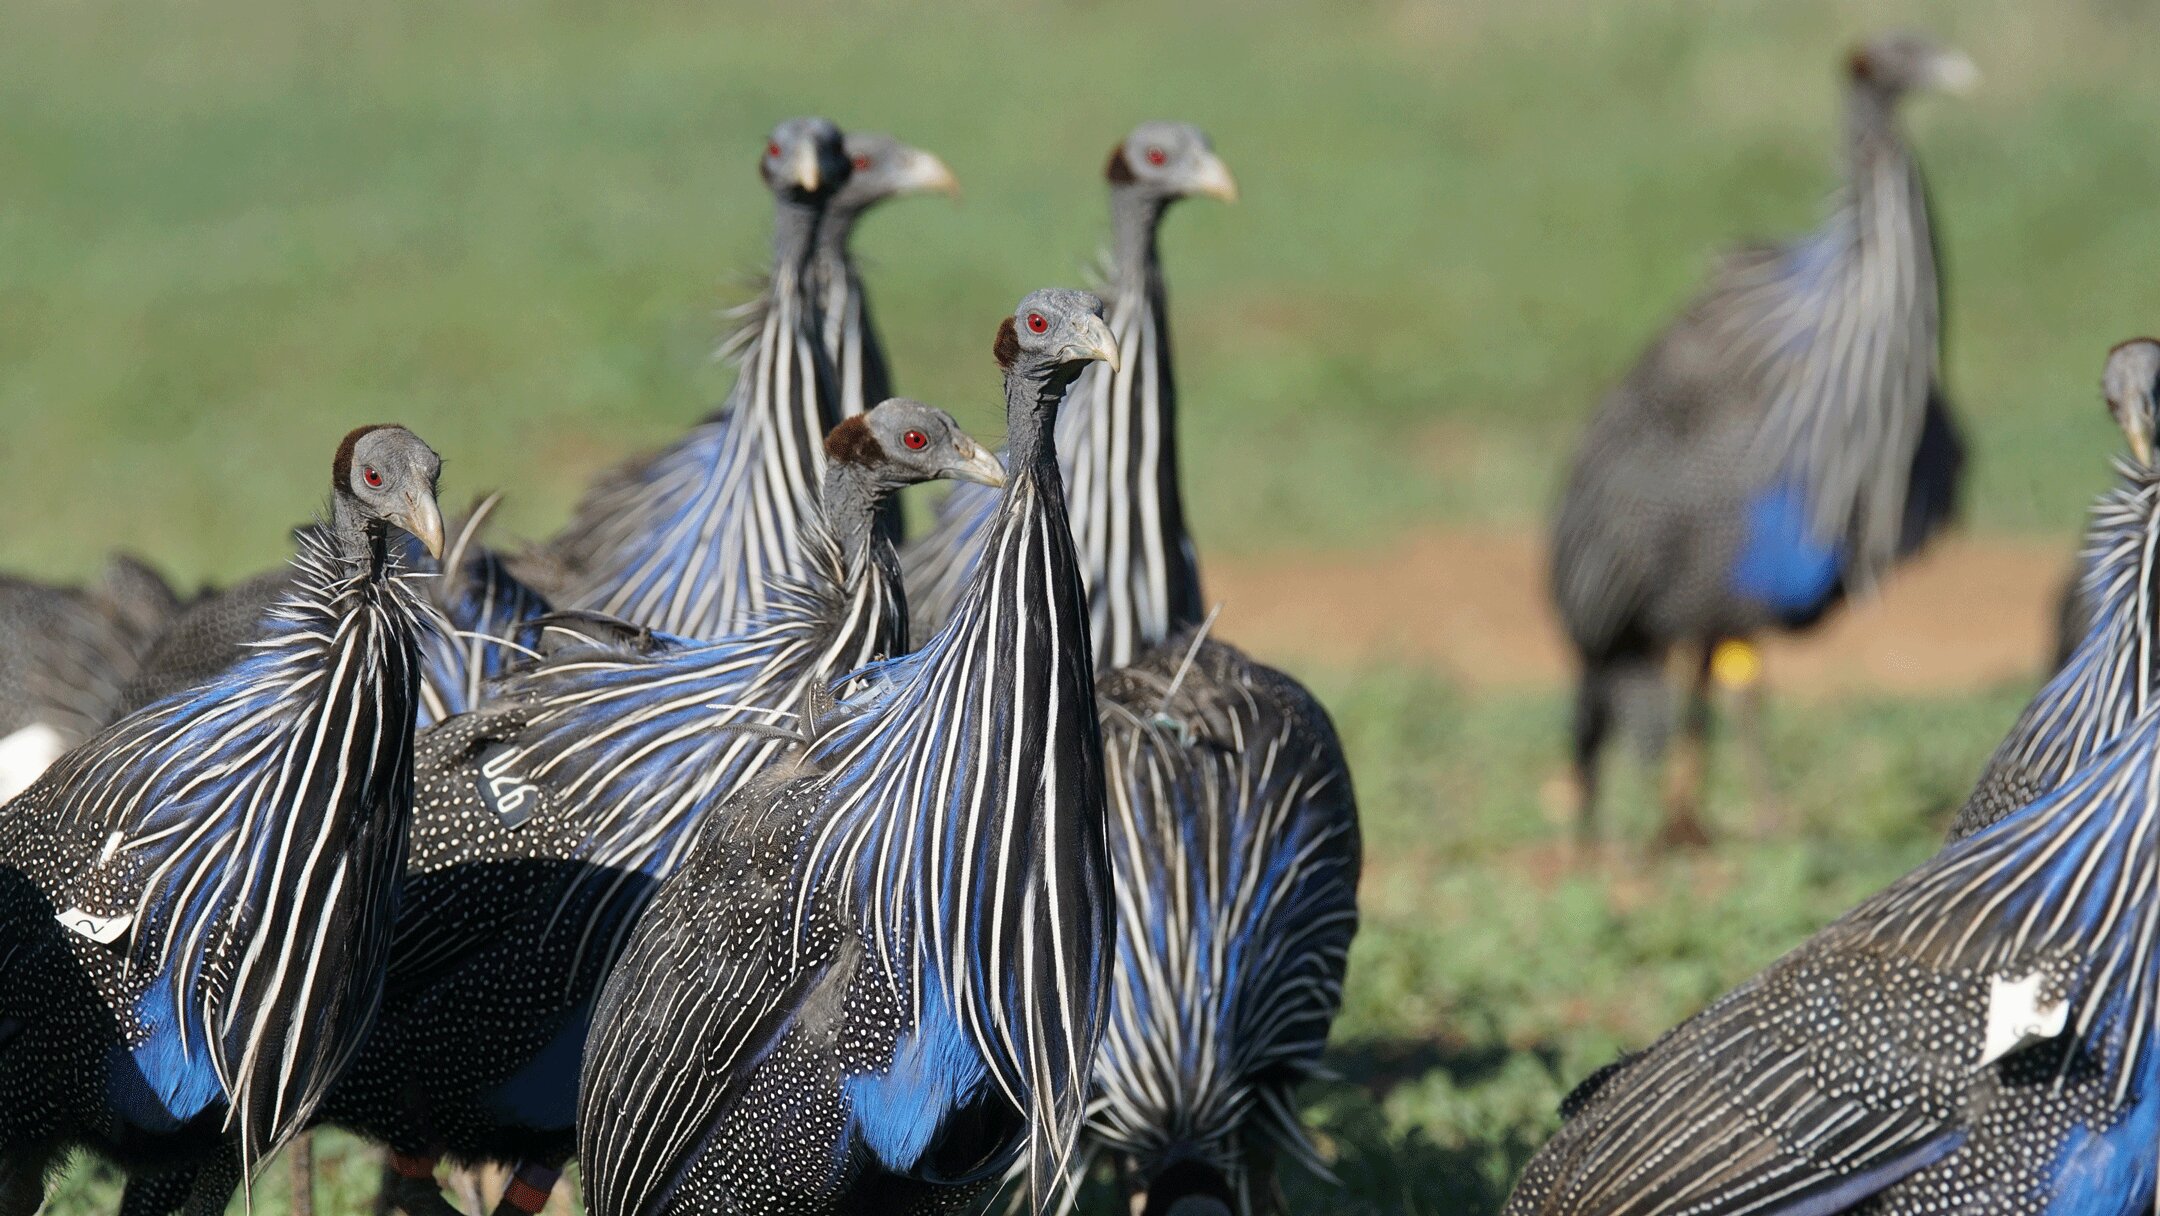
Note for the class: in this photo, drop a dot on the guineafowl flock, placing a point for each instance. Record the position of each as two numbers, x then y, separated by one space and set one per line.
758 853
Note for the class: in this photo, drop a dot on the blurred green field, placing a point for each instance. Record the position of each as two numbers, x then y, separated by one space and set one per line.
232 229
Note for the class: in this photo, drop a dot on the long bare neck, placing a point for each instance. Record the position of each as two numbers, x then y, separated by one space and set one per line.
1119 444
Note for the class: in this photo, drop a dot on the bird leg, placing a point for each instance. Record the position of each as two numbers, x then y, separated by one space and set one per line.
466 1184
1738 666
1689 770
409 1186
528 1190
301 1165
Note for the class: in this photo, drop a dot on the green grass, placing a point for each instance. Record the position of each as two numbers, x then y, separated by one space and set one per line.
1491 974
234 228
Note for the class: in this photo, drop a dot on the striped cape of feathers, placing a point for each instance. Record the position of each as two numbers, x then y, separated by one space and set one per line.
225 860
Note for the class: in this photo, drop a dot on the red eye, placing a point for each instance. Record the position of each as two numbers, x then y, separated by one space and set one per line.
772 149
915 440
861 163
370 476
1036 324
1157 157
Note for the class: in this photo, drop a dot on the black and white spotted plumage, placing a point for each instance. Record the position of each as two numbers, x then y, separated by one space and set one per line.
196 905
690 540
1977 1038
878 979
880 168
546 819
1234 839
2107 681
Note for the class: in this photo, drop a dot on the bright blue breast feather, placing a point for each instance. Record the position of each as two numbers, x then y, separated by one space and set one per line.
962 803
2111 1172
935 1071
159 1085
190 797
1780 564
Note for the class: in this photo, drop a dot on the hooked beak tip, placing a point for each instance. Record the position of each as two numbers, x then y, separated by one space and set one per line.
424 520
981 466
806 168
1956 73
1216 182
937 177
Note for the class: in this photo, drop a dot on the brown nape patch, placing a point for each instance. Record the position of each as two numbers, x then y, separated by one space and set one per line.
853 442
341 464
1007 346
1860 65
1119 170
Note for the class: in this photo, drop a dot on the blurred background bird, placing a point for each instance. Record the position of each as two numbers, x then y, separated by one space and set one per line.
879 168
690 539
1780 446
66 655
195 906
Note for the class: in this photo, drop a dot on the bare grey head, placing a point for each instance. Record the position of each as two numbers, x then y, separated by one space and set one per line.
1905 61
1056 326
881 167
1171 160
901 442
384 473
2131 384
804 160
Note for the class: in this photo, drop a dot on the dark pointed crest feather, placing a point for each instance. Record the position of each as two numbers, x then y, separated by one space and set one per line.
853 442
1007 346
341 464
1119 170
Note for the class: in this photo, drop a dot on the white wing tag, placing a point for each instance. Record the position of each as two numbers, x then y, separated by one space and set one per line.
104 930
2016 1016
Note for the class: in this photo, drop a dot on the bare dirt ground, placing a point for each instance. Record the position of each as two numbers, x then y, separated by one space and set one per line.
1971 613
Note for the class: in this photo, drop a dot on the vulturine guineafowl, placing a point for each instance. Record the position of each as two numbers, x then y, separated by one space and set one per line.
1779 446
196 904
690 540
2108 681
484 612
546 819
880 168
66 655
1117 444
1979 1037
1233 825
879 977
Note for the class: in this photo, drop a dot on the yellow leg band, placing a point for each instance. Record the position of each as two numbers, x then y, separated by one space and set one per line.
1736 665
